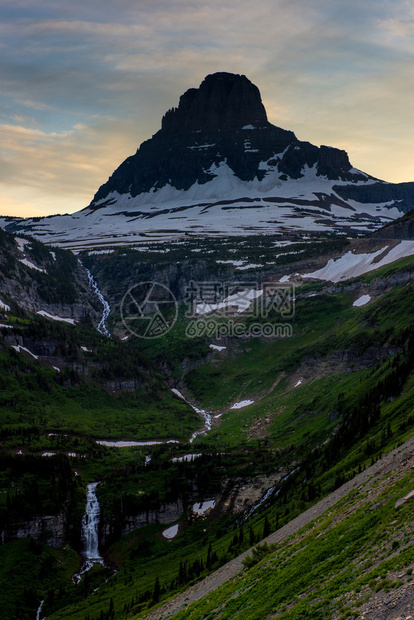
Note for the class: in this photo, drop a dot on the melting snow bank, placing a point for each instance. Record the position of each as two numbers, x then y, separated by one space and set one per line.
102 328
22 243
202 412
352 265
132 444
53 317
201 507
241 404
361 301
171 532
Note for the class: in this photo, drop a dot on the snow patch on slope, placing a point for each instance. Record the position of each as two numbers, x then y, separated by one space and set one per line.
259 207
170 532
352 265
4 307
201 507
31 265
240 301
362 301
241 404
19 348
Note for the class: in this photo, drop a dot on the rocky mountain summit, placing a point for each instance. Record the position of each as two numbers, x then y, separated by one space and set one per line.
223 120
218 166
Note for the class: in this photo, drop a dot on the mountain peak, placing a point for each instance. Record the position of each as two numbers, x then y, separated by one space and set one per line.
218 165
224 101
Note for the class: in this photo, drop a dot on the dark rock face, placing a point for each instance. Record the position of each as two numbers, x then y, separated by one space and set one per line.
224 120
331 160
48 529
400 195
223 102
402 228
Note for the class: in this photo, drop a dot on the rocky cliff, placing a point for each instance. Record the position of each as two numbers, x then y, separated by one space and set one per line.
166 513
37 278
49 529
399 194
223 120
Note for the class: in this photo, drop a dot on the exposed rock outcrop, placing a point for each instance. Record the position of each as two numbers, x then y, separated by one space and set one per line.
165 513
49 529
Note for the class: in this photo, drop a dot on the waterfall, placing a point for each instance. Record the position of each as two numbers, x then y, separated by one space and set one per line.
90 532
271 491
102 328
90 524
39 610
90 536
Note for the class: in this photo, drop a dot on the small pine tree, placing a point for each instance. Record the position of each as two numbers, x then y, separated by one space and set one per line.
266 527
208 561
251 536
156 591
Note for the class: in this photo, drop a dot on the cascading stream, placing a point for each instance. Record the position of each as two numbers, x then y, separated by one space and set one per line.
266 496
102 328
204 414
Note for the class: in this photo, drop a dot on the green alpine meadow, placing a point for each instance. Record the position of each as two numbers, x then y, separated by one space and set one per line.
205 448
207 374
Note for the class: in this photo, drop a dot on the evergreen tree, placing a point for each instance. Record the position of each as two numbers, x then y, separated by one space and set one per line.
266 527
156 591
208 561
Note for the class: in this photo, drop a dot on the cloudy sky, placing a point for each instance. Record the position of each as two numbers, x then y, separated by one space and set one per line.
84 82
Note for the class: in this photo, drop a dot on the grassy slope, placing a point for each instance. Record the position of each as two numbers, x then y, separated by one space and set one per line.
299 419
27 569
34 394
330 568
309 414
